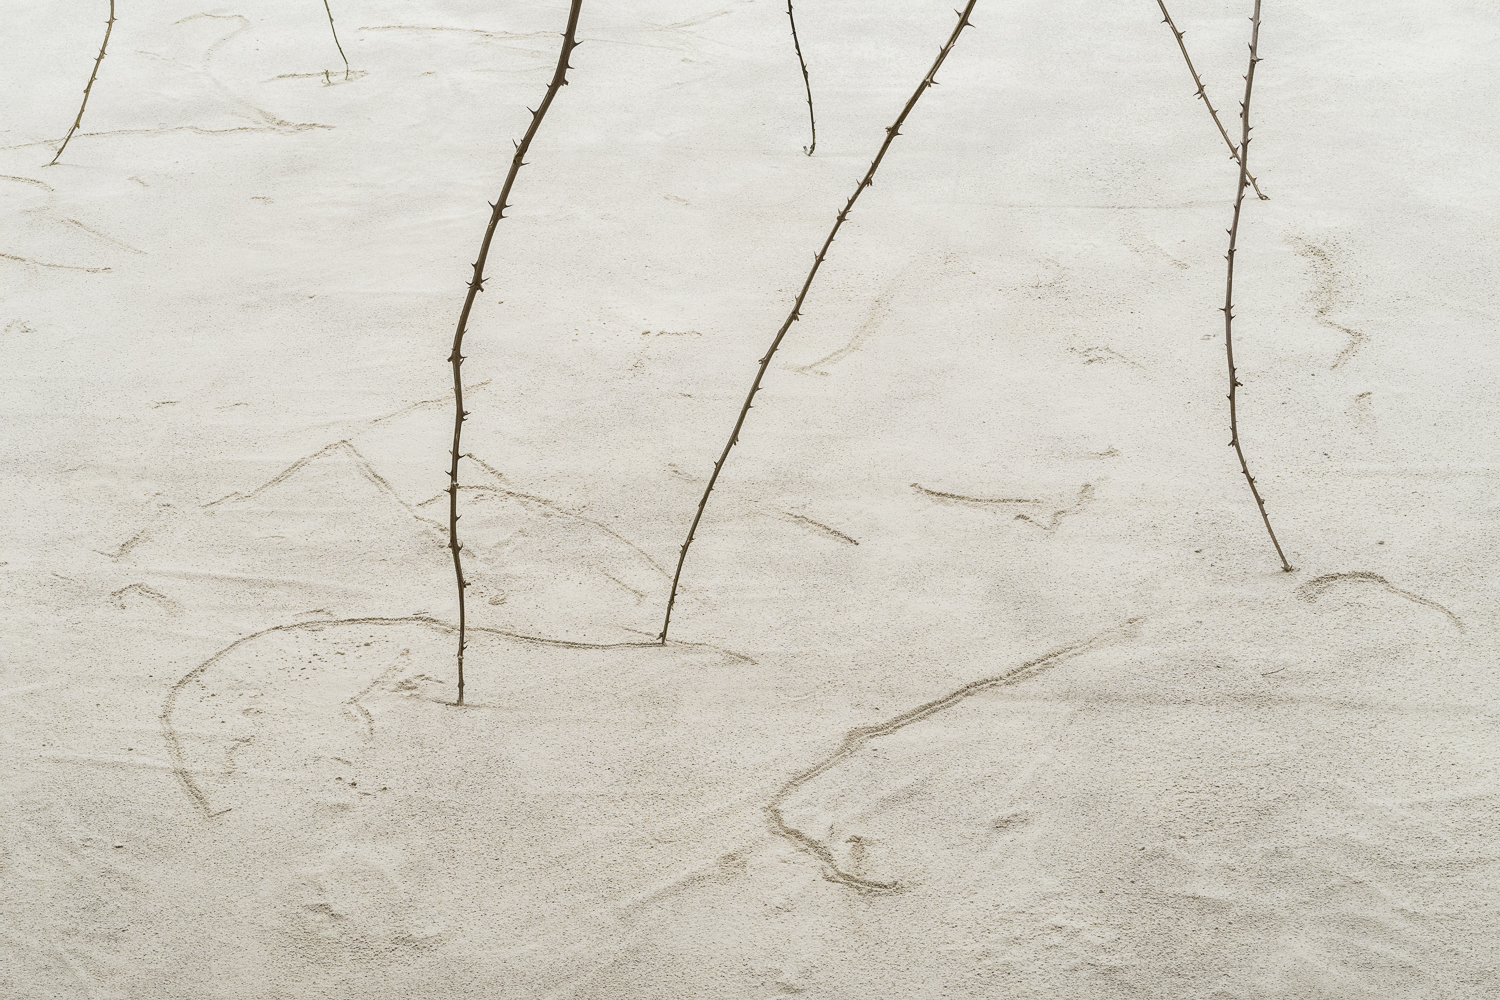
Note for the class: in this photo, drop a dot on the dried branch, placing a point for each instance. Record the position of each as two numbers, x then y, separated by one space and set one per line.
795 314
1234 229
476 285
336 39
1203 94
805 81
108 27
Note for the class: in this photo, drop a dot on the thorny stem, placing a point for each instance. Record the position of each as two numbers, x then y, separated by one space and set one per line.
795 314
108 27
1203 94
1234 229
805 81
476 285
336 39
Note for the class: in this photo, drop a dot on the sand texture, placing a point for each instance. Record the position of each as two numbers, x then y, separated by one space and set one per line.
983 678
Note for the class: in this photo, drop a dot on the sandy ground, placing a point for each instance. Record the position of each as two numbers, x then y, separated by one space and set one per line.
984 680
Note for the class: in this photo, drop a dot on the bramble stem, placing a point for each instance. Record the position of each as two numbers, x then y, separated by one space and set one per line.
795 314
805 81
108 27
476 285
336 39
1234 229
1203 94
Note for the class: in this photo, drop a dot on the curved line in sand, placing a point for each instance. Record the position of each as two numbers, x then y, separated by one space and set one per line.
175 750
856 738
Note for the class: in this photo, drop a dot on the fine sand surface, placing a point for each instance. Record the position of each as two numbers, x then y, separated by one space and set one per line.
984 679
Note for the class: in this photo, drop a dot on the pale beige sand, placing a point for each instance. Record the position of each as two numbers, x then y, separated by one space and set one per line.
984 681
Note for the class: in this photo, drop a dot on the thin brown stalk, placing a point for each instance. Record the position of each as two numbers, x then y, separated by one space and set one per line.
1203 94
1234 230
476 285
795 314
336 39
108 27
805 81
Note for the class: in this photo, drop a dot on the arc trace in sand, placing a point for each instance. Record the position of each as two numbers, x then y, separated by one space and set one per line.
178 754
856 739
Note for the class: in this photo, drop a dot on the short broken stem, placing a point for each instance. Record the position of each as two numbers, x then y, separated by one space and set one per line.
805 81
336 39
765 362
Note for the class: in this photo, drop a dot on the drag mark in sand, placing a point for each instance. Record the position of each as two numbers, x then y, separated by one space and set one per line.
277 126
360 462
27 180
124 548
855 740
1326 295
421 403
942 497
268 121
141 590
101 236
1084 498
879 310
1316 588
178 755
60 267
465 31
825 529
553 506
358 706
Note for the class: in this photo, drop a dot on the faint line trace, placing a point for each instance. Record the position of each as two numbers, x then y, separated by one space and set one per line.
178 754
1316 588
855 739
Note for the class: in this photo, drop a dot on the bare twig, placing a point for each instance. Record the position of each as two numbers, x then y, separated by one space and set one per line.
1203 94
805 81
336 39
108 27
1234 229
795 314
476 285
